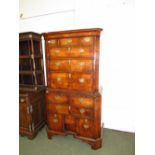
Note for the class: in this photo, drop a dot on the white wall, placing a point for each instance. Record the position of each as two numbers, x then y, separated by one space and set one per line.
117 54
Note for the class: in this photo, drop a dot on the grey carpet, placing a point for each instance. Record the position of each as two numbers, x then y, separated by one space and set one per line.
114 143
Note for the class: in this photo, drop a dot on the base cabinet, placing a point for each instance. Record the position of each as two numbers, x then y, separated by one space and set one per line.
31 112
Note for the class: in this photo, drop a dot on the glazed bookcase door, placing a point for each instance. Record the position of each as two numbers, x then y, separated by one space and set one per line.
31 71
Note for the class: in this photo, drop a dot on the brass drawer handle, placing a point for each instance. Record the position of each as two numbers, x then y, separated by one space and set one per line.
86 126
69 75
81 50
57 51
22 100
51 41
55 120
86 120
69 40
81 100
69 62
58 79
57 97
69 107
87 39
57 107
81 80
57 63
55 115
82 63
82 110
69 49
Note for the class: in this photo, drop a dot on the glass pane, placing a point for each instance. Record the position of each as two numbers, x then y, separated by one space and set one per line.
20 79
28 79
36 45
39 79
26 64
25 47
38 64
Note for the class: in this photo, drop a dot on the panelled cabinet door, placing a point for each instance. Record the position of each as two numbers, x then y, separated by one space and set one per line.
24 118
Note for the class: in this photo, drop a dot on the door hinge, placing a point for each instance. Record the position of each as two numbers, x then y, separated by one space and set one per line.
29 109
31 127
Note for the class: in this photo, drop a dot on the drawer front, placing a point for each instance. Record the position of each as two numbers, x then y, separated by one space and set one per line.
86 41
59 109
69 41
56 99
59 65
58 80
81 65
81 112
81 82
58 52
55 122
52 42
82 102
81 52
86 128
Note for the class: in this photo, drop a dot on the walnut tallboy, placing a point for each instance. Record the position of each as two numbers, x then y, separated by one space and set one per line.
73 101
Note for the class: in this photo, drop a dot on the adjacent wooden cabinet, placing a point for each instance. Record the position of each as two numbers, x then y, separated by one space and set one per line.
31 112
73 101
31 85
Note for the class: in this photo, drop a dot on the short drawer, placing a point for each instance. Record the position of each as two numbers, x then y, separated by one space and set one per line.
81 112
81 65
82 81
51 42
58 80
59 109
69 41
82 102
56 98
59 65
87 41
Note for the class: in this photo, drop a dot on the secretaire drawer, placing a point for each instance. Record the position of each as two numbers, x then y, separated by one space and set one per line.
82 102
58 80
81 81
81 65
60 109
56 98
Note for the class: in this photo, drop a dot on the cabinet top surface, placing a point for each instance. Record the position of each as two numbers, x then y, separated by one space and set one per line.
68 33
